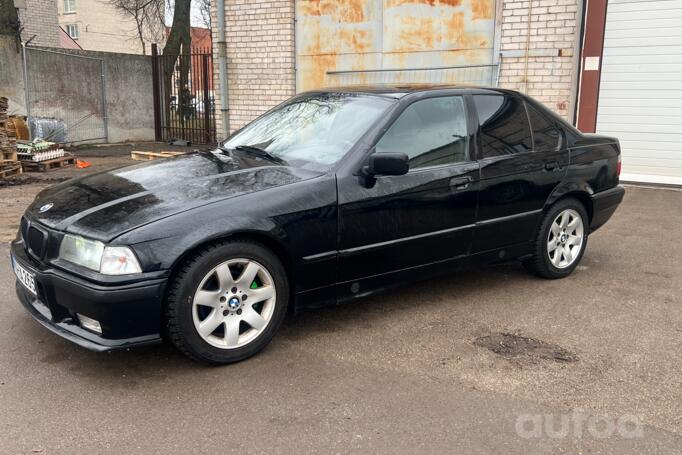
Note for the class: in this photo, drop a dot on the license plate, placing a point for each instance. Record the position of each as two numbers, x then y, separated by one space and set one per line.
25 277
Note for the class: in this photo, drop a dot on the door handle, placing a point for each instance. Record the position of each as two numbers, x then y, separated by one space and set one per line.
552 166
460 183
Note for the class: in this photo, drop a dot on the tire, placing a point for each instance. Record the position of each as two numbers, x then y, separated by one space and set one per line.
214 285
553 238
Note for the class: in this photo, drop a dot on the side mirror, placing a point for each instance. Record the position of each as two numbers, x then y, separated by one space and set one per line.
388 164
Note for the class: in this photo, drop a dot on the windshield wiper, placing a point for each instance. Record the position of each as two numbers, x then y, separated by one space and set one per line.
260 153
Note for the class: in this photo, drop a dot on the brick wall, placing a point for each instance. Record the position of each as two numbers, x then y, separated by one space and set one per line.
40 18
260 58
547 73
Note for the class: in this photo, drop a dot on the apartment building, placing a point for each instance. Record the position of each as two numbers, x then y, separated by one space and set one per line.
96 25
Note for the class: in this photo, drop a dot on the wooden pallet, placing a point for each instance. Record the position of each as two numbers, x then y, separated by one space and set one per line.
10 169
8 155
146 156
48 165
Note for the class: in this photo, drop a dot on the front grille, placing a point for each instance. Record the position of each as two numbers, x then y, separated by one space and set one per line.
24 228
36 241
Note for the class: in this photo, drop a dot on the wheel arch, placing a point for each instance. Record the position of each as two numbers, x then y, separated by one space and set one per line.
273 244
582 192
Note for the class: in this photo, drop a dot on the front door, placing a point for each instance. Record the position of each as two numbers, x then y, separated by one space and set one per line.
425 216
520 167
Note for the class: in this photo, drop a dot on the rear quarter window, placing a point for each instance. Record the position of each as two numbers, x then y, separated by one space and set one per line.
504 127
546 134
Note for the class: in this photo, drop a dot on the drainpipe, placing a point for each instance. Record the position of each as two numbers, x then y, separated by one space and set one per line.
27 92
577 63
222 69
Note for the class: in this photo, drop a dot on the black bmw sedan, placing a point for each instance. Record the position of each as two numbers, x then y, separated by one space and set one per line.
330 196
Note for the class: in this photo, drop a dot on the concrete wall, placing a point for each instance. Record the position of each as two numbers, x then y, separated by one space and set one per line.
39 19
129 89
11 75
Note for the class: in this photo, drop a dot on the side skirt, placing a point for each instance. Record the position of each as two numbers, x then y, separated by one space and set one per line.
365 287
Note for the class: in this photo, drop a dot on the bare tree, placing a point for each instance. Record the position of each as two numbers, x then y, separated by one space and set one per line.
179 38
177 48
148 16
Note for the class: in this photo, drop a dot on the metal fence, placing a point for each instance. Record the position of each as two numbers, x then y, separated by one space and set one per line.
184 102
483 75
65 96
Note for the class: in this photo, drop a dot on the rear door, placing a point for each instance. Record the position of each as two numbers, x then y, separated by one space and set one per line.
422 217
521 162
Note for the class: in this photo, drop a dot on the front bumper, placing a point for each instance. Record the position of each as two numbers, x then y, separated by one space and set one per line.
604 205
129 314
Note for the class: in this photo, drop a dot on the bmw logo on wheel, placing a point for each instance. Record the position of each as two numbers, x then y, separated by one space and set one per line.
234 303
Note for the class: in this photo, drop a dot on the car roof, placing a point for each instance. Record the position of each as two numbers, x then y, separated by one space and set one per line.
401 90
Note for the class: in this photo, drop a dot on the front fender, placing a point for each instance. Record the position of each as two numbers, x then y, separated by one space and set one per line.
299 221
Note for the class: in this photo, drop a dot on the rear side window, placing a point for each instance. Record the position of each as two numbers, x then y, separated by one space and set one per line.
504 125
546 135
431 132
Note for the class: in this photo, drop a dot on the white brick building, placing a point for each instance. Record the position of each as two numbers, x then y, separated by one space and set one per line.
39 21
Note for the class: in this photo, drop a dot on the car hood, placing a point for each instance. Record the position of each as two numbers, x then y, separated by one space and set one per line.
105 205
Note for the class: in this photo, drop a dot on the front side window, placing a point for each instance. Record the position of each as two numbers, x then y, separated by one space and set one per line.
546 135
72 30
314 131
69 6
504 128
431 132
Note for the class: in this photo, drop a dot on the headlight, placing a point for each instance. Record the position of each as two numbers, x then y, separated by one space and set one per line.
78 250
108 260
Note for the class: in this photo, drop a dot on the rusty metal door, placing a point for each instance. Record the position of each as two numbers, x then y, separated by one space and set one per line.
184 102
355 42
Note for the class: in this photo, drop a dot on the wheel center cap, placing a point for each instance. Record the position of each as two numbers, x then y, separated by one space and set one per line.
563 238
234 303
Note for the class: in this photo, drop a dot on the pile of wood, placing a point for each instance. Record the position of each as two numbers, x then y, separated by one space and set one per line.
9 165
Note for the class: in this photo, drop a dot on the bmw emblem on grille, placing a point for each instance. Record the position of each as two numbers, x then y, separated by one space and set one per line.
45 207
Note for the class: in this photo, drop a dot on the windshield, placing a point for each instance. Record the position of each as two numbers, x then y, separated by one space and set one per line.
315 131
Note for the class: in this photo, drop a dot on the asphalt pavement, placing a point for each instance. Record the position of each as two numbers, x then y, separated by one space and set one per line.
402 372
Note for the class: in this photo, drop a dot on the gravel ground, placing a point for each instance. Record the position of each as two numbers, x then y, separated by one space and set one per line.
446 365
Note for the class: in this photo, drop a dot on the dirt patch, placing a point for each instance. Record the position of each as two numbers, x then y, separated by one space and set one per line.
510 345
28 180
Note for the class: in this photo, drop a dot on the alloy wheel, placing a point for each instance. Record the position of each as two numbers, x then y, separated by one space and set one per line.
234 303
565 239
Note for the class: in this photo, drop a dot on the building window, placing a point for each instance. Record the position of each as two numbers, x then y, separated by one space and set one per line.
69 6
72 30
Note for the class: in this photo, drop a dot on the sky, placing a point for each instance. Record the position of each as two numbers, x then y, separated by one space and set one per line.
196 15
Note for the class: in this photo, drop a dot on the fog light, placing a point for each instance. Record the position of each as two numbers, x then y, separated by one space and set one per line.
89 323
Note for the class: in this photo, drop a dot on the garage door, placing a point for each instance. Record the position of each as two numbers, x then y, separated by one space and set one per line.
357 42
640 95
